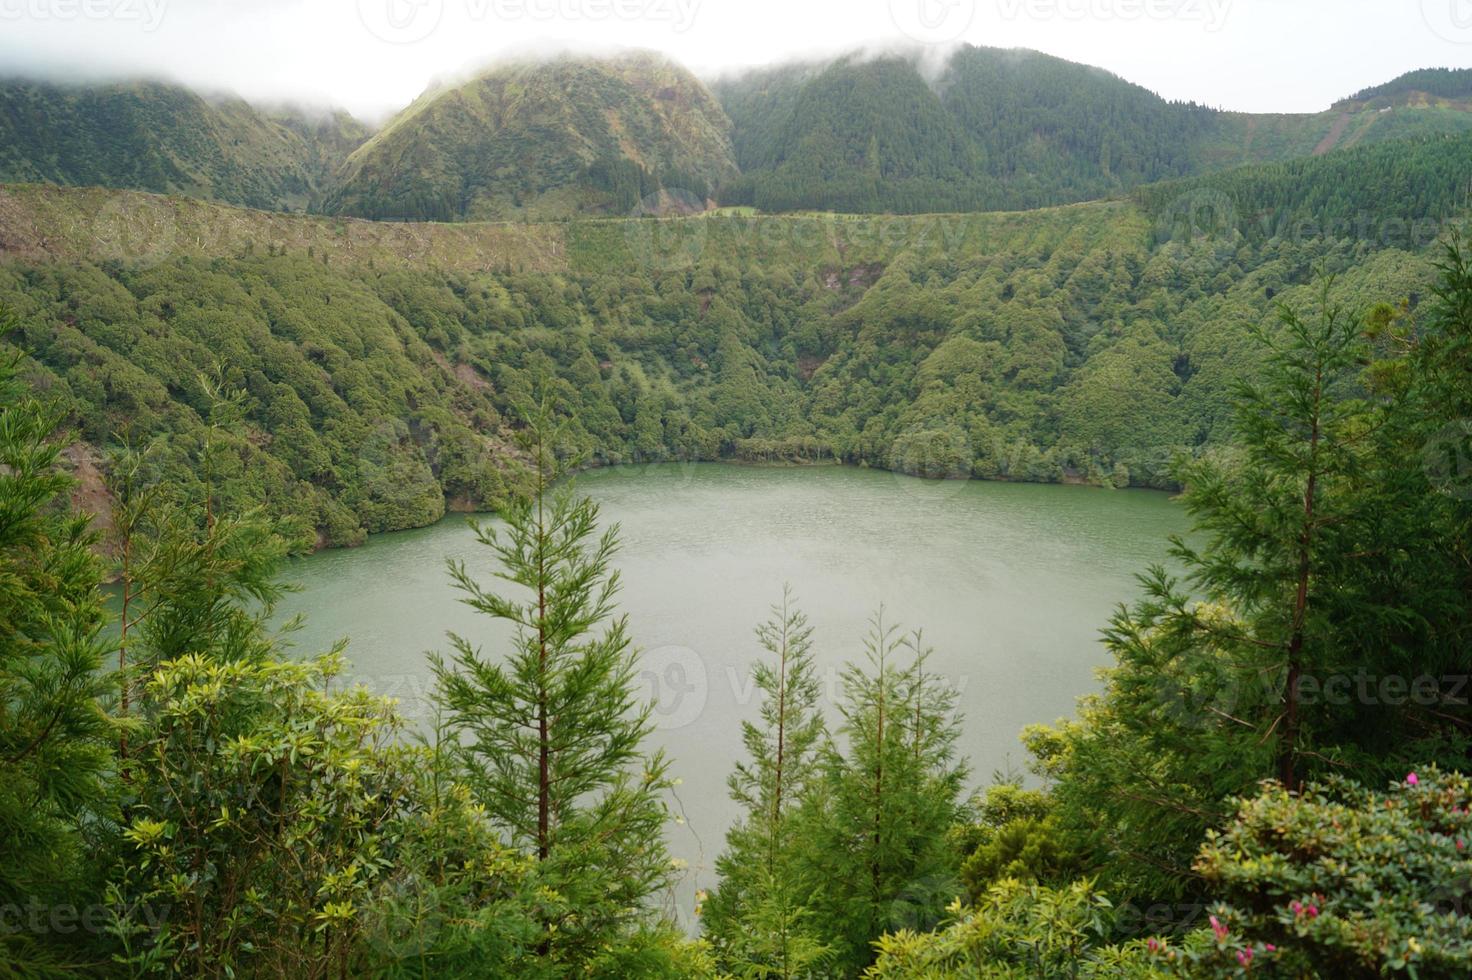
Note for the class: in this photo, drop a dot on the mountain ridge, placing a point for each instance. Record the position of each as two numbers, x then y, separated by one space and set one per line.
1037 130
576 136
154 136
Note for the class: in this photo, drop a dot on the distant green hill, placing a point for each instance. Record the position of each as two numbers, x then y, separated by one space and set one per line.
987 130
544 139
996 130
1004 129
166 139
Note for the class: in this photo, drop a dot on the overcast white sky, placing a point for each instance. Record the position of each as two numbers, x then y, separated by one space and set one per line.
374 56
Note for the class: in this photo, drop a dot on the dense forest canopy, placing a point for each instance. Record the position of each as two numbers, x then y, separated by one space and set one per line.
543 140
1093 343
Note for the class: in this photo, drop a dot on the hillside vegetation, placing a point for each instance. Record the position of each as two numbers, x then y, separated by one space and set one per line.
630 134
544 140
1001 129
156 137
1224 805
1086 343
1437 83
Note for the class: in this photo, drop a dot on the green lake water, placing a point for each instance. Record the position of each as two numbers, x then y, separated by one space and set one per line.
1010 582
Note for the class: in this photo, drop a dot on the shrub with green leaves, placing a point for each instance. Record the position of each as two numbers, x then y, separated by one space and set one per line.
1020 931
1015 836
1348 881
261 827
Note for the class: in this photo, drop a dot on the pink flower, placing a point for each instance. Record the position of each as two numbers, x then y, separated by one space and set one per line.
1412 780
1244 957
1218 928
1270 948
1154 945
1460 845
1313 911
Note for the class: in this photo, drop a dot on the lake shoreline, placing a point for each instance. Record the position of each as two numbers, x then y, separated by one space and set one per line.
461 509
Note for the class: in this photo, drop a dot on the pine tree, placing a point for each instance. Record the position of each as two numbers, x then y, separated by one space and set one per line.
876 835
1301 572
553 732
1274 522
55 739
758 919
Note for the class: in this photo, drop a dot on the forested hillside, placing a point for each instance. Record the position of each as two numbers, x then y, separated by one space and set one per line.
544 140
152 136
987 130
1088 343
998 129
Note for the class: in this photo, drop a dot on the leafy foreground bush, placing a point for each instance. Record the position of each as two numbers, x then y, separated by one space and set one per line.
1339 881
1348 882
1017 931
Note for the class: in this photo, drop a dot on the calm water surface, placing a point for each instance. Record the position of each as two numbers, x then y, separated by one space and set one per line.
1010 582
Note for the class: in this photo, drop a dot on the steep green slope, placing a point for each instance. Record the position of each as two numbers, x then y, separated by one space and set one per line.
865 132
1044 123
163 138
544 139
1092 342
331 135
1002 129
1392 193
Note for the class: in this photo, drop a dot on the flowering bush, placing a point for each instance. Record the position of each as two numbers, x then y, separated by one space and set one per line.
1343 881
